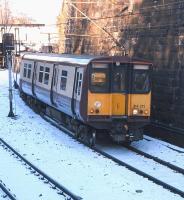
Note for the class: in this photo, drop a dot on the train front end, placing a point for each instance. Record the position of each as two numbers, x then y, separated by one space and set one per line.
119 98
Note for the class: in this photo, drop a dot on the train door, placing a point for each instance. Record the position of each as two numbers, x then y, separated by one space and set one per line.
78 90
34 77
54 84
118 89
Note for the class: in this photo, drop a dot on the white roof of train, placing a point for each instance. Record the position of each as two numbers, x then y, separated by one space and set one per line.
66 58
79 59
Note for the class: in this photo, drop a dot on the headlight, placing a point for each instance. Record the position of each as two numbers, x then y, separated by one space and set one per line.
92 110
97 104
135 111
146 112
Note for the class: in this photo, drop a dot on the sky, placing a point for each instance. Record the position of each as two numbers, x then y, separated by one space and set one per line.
42 11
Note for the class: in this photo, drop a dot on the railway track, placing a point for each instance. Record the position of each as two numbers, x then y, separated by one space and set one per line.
6 191
156 159
167 133
128 166
61 190
169 128
142 173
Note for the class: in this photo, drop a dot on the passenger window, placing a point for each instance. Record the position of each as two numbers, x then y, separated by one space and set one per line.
80 76
29 71
40 79
47 70
63 80
46 77
25 69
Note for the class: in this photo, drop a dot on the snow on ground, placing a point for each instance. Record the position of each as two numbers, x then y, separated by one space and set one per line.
84 172
25 182
148 166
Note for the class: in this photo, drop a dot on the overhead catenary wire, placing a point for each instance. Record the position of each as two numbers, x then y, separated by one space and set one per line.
145 27
137 13
123 15
149 30
149 25
161 5
99 27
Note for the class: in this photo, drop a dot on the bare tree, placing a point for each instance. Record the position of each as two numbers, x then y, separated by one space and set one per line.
23 19
6 15
7 18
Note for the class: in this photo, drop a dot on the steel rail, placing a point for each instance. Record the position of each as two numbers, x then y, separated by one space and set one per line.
158 160
63 189
119 162
173 135
169 128
7 192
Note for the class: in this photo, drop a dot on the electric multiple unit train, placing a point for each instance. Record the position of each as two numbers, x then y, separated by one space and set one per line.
92 95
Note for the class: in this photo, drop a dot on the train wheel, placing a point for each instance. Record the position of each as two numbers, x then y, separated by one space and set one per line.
92 138
82 133
77 132
87 135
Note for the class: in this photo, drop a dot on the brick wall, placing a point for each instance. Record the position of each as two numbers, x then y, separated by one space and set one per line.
151 29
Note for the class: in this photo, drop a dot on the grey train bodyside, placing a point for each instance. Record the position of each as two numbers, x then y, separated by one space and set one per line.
56 84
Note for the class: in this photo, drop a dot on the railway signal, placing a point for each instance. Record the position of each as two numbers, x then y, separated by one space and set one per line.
8 47
11 47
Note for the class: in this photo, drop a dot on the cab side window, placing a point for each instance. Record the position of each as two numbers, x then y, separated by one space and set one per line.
63 82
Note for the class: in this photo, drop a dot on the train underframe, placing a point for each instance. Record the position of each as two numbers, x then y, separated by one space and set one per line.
120 132
124 132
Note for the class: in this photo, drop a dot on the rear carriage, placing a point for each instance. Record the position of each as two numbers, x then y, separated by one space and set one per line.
90 94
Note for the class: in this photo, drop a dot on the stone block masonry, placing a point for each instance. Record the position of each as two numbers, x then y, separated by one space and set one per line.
151 30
